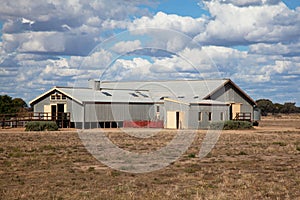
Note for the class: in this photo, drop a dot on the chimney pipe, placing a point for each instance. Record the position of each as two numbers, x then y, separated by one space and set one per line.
94 84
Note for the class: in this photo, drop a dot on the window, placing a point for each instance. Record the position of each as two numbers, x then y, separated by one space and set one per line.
157 108
209 116
199 116
57 97
221 116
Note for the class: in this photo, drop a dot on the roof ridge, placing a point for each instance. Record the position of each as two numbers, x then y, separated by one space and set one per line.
176 80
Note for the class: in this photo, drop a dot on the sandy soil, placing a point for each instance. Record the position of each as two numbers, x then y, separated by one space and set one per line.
262 163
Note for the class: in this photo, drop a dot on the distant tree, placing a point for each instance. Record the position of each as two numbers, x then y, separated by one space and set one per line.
277 108
18 105
266 106
289 107
9 105
5 104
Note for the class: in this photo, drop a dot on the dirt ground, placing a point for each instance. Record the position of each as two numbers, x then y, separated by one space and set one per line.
263 163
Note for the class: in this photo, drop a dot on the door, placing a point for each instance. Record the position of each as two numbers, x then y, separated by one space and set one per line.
53 112
60 111
174 120
236 108
171 119
47 112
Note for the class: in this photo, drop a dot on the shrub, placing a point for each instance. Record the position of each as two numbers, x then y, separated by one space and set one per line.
192 155
41 126
231 125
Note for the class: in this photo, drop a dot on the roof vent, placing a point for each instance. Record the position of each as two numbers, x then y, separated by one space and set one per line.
94 84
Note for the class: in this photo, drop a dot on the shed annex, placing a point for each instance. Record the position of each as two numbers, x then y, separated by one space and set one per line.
175 104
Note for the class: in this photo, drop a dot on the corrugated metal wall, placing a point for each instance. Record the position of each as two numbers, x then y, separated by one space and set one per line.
230 95
107 112
195 123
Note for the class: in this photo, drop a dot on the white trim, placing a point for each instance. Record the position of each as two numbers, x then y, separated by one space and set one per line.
175 101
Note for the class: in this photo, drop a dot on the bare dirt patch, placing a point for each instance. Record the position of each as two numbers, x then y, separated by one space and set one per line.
255 164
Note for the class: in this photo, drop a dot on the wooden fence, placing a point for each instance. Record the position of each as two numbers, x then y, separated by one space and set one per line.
20 119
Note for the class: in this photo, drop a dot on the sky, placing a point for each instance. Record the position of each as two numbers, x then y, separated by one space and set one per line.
47 43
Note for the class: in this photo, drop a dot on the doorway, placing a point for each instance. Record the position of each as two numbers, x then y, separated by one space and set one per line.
174 120
177 120
53 112
60 111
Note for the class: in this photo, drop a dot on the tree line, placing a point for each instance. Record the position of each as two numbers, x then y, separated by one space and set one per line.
267 106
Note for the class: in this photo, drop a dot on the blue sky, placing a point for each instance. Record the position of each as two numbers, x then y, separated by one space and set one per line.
255 43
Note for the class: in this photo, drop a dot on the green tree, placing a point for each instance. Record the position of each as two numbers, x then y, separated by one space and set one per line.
18 105
266 106
277 108
289 107
9 105
5 104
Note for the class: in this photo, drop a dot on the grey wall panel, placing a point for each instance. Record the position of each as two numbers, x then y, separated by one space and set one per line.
76 110
117 112
216 111
39 107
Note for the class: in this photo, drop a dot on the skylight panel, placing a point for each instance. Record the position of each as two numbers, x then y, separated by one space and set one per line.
107 94
134 94
142 94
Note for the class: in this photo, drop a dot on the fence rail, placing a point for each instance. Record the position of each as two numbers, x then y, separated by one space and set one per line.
243 116
20 119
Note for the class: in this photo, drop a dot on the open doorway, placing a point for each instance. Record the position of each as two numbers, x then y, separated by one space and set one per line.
60 111
53 112
177 120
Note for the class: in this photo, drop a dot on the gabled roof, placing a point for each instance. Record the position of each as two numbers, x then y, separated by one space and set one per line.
230 82
49 92
186 91
81 95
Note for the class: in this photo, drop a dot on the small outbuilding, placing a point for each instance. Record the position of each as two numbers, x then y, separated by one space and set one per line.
175 104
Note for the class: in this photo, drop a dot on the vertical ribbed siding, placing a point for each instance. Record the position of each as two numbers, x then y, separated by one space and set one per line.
118 112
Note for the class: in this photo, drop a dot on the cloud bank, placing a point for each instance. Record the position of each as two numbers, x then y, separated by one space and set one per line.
46 43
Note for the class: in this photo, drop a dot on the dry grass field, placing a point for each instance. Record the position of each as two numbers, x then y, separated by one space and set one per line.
263 163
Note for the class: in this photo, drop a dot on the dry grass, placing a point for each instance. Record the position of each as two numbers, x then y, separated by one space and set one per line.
254 164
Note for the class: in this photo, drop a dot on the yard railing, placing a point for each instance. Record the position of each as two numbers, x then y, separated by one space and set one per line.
20 119
243 116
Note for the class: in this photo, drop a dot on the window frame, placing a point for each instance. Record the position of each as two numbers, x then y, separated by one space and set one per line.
200 116
209 116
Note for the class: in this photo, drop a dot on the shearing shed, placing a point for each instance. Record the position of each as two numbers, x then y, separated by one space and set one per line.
172 104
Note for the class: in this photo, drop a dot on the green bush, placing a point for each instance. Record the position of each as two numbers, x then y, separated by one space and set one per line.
41 126
231 125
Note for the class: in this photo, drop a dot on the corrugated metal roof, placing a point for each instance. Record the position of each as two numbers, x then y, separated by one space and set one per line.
183 90
90 95
187 91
